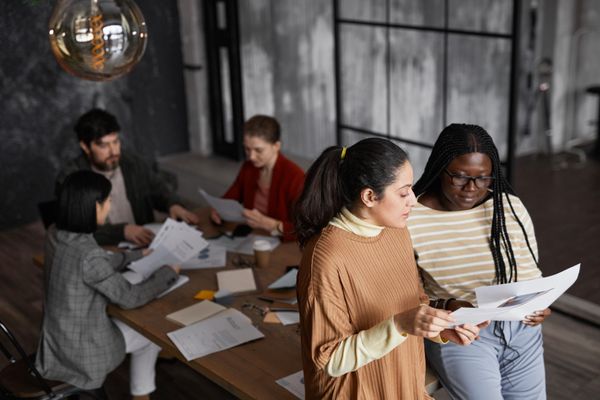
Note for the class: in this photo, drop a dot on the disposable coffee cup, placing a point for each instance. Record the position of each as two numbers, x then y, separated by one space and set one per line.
262 252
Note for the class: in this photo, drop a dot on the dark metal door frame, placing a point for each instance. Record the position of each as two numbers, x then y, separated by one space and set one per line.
217 38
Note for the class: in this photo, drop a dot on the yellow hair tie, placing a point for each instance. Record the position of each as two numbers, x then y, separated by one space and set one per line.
343 153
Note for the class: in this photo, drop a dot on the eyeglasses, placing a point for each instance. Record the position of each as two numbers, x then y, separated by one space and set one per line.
462 180
251 306
241 262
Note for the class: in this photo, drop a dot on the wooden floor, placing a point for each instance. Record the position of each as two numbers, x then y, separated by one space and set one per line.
572 352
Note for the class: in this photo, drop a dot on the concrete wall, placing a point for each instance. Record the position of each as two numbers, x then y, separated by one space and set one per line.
287 69
40 102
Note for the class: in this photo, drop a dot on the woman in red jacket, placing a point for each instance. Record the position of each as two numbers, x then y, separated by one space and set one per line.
268 184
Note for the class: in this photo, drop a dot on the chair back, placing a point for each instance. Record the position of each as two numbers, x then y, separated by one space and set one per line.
13 351
49 212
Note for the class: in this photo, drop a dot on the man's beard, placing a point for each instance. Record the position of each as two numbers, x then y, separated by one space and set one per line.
107 166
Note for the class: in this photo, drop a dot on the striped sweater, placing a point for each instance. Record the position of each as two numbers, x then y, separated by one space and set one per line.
452 248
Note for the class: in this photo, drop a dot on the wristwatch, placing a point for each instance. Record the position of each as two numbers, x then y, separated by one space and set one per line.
278 231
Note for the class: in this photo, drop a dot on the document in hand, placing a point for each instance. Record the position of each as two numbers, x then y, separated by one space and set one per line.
175 243
222 331
229 210
514 301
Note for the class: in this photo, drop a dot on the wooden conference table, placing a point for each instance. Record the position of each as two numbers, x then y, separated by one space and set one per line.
248 371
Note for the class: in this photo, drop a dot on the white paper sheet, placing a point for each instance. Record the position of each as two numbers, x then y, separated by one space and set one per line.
212 256
229 210
175 243
510 302
286 281
222 331
168 226
236 280
294 383
288 317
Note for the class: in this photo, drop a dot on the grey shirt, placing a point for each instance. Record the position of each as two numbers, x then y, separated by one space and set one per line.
120 209
79 343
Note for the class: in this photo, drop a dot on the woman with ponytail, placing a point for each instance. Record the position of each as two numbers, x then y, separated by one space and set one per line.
363 315
469 230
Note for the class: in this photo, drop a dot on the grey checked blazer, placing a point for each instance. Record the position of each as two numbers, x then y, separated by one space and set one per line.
79 343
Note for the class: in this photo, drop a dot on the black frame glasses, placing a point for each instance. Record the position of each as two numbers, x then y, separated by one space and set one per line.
481 182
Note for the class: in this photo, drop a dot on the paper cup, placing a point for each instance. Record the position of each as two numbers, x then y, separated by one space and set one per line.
262 252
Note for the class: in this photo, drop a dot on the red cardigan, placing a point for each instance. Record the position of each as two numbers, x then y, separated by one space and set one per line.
287 183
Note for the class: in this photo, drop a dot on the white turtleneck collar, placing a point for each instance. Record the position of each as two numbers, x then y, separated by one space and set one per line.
349 222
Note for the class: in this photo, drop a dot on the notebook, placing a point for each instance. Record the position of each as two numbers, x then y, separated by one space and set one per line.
195 313
236 281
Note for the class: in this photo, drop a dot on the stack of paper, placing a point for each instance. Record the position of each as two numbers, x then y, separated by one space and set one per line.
175 243
222 331
195 313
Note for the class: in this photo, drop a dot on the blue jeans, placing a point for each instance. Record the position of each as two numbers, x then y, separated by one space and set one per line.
488 370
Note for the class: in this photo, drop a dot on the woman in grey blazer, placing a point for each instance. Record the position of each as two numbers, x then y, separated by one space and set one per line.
80 344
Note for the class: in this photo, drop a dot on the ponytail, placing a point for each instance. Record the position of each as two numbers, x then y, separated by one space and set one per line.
336 179
321 198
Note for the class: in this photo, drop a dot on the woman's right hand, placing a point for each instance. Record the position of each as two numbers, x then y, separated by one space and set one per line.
215 217
423 321
176 268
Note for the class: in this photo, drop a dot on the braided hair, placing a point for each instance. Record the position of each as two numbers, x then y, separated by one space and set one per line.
454 141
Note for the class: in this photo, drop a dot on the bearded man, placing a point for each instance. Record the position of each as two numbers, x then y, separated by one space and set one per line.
137 189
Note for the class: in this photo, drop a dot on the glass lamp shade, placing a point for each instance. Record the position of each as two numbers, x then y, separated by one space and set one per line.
97 39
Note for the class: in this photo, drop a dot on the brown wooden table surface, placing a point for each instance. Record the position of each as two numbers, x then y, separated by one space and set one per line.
250 370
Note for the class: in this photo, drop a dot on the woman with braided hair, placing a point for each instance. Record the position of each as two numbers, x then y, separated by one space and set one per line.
469 229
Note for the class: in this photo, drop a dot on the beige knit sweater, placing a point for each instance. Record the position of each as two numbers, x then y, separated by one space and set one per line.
350 283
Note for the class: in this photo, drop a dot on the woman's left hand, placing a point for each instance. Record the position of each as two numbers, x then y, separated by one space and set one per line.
258 220
537 318
464 334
